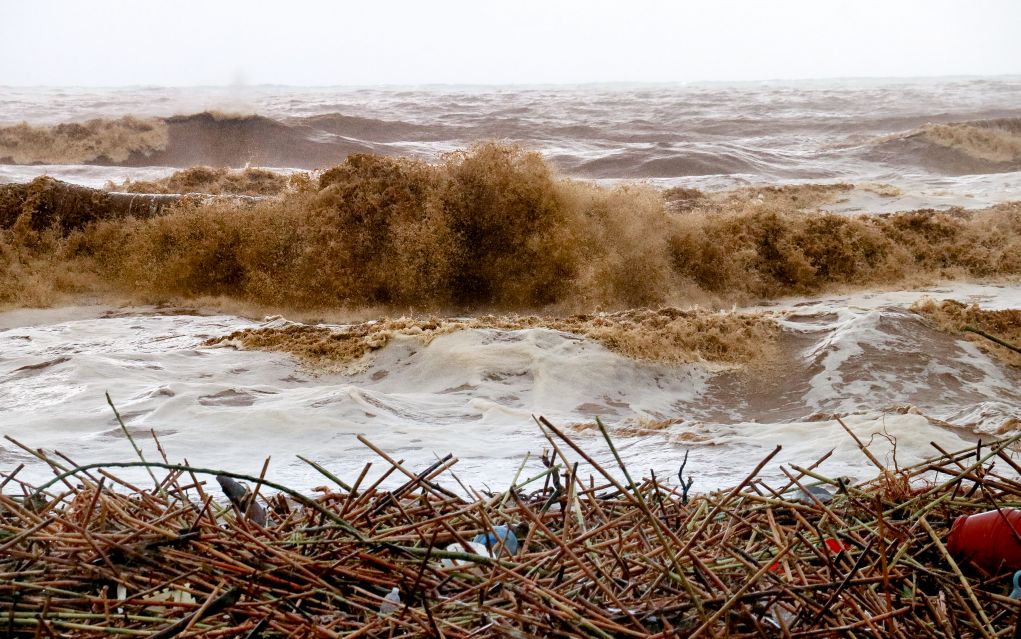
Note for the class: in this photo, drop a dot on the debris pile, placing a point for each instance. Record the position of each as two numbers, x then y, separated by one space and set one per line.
558 554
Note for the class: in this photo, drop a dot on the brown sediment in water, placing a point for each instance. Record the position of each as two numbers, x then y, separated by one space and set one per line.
666 335
100 141
217 181
953 316
493 229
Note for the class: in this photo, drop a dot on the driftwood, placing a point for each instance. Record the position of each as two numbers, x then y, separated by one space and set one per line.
50 203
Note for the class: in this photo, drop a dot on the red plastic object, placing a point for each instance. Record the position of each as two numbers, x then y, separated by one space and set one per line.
989 540
835 546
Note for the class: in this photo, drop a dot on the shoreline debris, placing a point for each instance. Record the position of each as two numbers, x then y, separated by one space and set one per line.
88 554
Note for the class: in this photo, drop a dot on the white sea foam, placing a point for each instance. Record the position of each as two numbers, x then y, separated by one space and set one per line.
473 393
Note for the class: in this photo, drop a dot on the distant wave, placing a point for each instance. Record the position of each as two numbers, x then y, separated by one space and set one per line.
232 140
956 148
207 138
635 149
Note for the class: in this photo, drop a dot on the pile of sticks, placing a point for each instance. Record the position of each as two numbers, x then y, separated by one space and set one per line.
88 554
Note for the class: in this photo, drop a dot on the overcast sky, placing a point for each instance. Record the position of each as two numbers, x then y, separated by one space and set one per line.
210 42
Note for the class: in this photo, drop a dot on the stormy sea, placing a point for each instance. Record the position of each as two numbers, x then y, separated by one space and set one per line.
710 270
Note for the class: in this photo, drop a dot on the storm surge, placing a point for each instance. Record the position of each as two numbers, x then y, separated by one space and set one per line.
488 228
283 269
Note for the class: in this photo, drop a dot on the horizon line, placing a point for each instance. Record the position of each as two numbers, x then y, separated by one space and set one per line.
594 83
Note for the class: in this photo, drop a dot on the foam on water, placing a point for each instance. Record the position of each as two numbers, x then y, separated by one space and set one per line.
474 392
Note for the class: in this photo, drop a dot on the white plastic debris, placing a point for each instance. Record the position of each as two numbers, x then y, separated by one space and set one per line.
391 602
477 548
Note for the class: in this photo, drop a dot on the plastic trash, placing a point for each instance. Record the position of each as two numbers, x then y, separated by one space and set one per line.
477 548
810 494
500 534
835 545
989 540
391 602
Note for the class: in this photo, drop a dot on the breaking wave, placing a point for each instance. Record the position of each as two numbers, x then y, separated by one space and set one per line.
237 140
490 228
990 140
981 146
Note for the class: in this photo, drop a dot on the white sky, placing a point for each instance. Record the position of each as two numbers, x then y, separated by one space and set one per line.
211 42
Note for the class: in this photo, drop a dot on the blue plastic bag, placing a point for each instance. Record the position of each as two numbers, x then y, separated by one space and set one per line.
500 534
